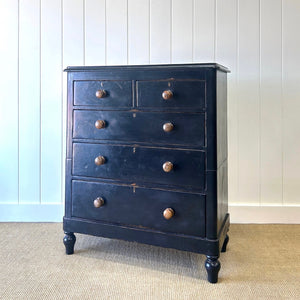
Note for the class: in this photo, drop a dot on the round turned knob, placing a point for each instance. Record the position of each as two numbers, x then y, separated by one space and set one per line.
99 160
99 124
100 93
167 94
168 213
167 166
168 127
98 202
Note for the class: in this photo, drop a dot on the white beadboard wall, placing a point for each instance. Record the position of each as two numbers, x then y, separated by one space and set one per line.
257 39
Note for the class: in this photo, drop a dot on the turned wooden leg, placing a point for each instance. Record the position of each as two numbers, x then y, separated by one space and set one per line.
212 266
69 241
225 243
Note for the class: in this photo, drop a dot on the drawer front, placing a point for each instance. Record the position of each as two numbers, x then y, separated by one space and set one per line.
117 93
140 164
140 207
185 94
188 128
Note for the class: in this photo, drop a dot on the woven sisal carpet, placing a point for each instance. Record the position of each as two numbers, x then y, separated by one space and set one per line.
261 262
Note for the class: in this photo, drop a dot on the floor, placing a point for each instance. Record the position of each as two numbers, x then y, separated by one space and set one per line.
261 262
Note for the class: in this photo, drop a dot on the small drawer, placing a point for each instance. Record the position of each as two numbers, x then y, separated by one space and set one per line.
140 164
108 94
140 207
159 128
171 94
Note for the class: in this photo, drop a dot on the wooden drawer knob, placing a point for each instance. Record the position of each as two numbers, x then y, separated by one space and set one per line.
168 213
100 93
168 127
167 166
99 124
167 95
98 202
99 160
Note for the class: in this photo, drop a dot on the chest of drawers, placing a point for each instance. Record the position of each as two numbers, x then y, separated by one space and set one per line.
147 157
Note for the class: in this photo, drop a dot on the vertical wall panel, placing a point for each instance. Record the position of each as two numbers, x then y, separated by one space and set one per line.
9 101
271 105
291 103
95 32
160 31
29 102
182 31
226 54
73 33
73 55
256 39
51 101
204 30
138 31
116 32
248 102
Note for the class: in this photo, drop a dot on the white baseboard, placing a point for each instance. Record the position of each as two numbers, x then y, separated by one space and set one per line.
31 212
264 214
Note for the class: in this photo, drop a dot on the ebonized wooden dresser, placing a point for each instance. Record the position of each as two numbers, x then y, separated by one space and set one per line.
147 157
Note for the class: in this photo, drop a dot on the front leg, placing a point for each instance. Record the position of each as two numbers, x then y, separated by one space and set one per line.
69 241
212 266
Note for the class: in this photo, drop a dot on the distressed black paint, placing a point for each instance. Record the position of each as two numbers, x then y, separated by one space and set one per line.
132 182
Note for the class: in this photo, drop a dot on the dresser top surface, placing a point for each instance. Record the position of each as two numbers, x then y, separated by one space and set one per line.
134 67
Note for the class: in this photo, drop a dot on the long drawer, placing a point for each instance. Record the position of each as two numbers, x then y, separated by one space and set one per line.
140 164
140 207
167 128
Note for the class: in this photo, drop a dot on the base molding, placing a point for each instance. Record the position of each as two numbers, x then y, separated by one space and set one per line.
31 212
264 214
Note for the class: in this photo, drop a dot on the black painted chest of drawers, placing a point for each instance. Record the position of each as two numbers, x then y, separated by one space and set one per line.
147 157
